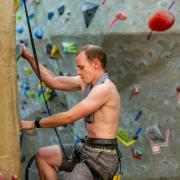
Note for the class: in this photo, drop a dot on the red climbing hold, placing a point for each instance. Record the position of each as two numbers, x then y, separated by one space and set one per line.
161 20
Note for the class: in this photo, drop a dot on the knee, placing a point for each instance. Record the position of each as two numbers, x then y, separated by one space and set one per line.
50 155
40 155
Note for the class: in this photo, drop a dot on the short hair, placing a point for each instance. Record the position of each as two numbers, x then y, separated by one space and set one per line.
93 51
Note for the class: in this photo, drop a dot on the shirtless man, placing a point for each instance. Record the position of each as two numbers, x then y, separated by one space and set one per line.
98 159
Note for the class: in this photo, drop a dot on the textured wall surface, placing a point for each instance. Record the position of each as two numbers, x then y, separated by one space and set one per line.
9 125
151 65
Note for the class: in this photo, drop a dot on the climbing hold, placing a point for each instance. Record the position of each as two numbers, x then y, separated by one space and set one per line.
24 102
17 4
19 16
119 16
61 73
138 115
28 71
31 95
136 135
136 154
44 98
69 47
156 147
14 177
61 10
52 51
50 15
42 90
124 134
117 177
25 88
178 93
67 17
134 91
103 2
24 41
19 28
154 132
36 1
31 15
23 158
89 10
48 50
125 143
161 20
77 138
47 96
31 131
178 89
55 52
38 32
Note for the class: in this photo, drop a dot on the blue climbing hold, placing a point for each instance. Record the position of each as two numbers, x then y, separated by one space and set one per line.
137 117
38 32
50 15
77 139
136 135
31 15
25 88
19 28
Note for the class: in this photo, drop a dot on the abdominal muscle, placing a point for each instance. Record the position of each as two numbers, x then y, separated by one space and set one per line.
104 128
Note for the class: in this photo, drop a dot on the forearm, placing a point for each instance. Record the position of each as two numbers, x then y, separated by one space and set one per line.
56 120
46 75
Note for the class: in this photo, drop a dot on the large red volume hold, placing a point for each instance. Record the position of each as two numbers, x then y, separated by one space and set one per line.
161 20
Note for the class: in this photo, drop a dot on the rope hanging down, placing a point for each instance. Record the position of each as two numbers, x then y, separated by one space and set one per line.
39 74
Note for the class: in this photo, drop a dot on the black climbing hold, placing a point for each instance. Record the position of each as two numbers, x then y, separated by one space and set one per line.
61 10
48 50
89 9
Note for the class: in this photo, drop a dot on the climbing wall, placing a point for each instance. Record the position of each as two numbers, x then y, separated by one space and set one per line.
142 62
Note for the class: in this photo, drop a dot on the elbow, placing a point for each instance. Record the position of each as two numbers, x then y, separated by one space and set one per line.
51 84
70 117
71 120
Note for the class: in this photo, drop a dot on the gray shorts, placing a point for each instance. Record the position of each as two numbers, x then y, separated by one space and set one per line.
105 163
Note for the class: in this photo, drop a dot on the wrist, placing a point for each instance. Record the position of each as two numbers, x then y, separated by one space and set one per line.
37 122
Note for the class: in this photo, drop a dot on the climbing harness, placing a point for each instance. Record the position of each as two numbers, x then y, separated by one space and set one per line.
106 145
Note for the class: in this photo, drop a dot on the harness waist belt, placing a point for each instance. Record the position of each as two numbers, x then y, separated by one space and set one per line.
100 143
100 149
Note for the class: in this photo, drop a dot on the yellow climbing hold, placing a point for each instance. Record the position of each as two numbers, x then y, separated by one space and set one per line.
17 3
31 132
28 71
125 143
117 178
55 52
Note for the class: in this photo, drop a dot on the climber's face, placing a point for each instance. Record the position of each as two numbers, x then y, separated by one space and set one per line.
85 68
